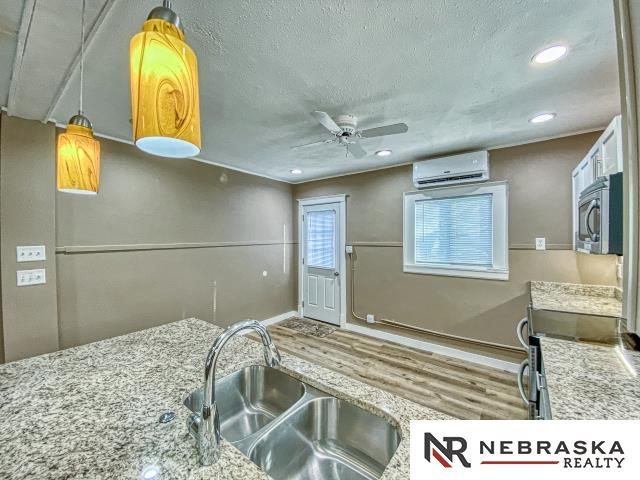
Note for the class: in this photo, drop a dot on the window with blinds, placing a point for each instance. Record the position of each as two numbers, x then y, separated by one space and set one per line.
458 231
454 230
321 240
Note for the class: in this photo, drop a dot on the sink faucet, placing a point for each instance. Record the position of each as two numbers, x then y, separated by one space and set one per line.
206 425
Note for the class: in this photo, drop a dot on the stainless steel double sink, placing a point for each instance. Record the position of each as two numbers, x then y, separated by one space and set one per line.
292 430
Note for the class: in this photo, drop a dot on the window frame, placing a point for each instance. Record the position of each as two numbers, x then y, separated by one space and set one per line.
500 209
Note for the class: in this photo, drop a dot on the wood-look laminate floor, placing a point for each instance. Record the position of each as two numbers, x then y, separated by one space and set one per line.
461 389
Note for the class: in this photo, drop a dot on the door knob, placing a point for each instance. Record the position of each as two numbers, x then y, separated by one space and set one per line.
337 274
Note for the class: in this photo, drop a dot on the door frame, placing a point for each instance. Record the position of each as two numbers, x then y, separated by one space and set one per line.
627 42
342 208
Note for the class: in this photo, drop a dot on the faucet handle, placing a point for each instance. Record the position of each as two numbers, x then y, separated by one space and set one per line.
193 424
271 355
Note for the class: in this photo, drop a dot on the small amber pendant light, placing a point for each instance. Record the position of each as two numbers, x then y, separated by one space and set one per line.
165 100
78 152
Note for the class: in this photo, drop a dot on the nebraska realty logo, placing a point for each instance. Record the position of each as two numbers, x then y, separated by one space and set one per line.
526 449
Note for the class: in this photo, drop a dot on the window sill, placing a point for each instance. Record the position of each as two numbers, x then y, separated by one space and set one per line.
454 272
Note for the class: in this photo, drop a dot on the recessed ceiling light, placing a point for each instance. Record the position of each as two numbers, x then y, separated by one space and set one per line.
550 54
383 153
296 171
542 117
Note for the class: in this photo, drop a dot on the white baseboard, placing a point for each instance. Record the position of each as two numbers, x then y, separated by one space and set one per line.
271 320
412 342
278 318
435 348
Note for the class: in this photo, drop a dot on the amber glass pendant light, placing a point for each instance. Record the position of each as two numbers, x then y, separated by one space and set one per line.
164 87
78 152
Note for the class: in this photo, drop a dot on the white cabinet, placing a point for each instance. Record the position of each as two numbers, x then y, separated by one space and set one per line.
611 147
604 158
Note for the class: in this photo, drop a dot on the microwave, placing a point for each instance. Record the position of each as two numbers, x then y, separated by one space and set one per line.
600 217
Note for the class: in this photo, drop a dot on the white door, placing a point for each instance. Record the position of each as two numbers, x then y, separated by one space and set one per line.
321 249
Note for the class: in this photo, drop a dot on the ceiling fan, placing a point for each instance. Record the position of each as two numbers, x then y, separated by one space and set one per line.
345 132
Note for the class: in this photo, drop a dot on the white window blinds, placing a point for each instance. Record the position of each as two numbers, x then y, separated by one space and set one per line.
321 238
454 230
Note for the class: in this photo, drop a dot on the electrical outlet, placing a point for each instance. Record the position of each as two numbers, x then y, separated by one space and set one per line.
30 254
349 248
541 243
619 271
31 277
371 318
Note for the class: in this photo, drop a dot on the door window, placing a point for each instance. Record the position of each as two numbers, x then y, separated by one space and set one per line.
321 238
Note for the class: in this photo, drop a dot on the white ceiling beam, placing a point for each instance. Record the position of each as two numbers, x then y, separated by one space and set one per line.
28 10
64 83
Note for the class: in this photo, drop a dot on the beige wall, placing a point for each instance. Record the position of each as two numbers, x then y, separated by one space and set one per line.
27 215
169 203
539 176
145 251
148 249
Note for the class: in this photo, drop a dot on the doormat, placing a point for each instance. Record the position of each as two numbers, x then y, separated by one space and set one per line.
308 327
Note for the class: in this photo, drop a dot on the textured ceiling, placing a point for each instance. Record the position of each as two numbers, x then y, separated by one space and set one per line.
10 15
48 44
458 73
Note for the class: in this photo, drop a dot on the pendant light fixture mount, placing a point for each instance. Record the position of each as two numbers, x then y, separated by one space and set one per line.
165 13
81 121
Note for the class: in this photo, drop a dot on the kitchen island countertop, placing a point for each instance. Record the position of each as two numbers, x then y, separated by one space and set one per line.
91 412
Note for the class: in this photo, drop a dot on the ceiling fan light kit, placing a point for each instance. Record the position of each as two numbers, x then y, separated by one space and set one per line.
165 100
345 131
77 151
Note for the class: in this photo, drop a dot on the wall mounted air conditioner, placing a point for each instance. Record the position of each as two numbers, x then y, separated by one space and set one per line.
451 170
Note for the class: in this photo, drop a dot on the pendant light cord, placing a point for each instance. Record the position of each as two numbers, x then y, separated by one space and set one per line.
81 111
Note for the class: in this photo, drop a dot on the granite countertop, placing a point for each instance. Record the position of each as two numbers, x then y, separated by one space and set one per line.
576 298
91 412
591 382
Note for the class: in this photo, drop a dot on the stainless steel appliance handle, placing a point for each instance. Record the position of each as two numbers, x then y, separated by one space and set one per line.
521 324
592 206
523 366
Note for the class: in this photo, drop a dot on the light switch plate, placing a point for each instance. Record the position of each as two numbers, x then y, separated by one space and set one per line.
31 253
541 243
31 277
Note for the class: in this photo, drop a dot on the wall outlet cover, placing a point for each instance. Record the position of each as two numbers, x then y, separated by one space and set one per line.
371 318
619 271
541 243
349 248
30 253
31 277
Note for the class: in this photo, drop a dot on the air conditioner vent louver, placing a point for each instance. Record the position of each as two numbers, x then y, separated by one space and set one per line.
450 179
455 169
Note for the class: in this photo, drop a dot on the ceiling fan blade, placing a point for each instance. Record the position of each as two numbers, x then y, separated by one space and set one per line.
386 130
304 145
327 122
356 150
